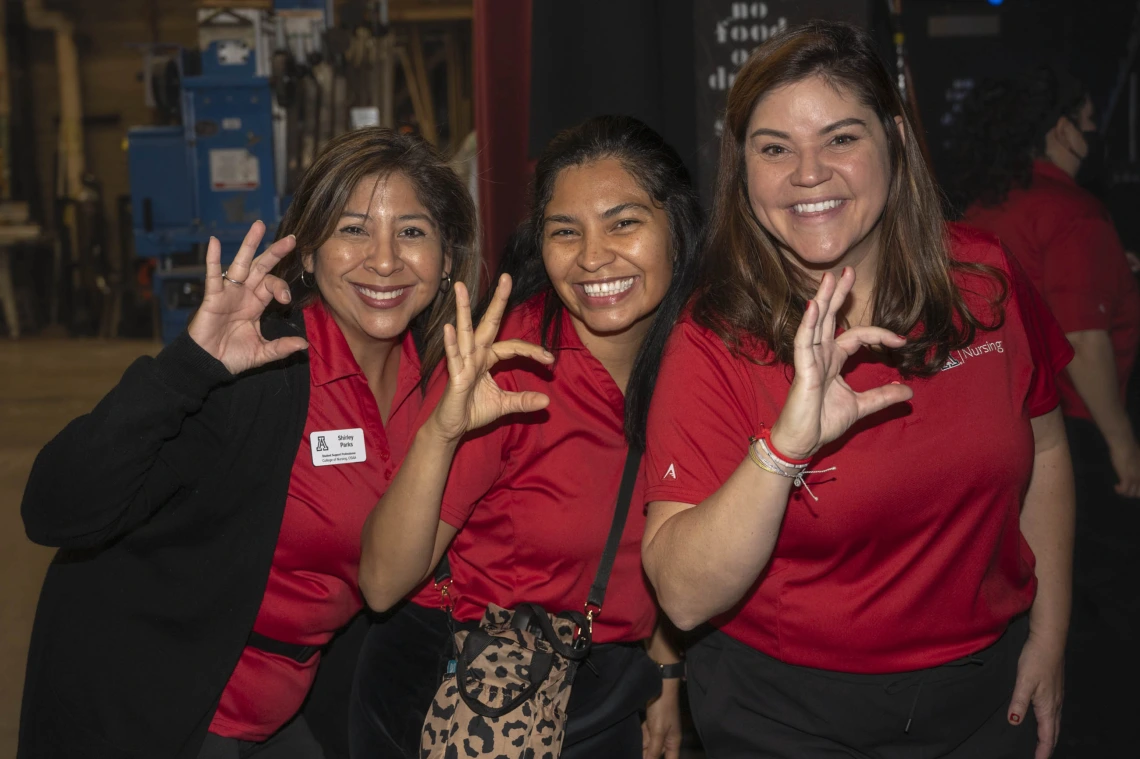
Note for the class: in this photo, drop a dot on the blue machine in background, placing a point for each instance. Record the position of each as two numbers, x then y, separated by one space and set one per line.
216 173
231 149
212 176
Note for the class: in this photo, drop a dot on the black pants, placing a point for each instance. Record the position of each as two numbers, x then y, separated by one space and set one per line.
293 741
747 704
1106 605
1108 531
401 666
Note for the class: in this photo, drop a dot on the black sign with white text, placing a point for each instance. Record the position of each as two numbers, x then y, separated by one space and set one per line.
726 33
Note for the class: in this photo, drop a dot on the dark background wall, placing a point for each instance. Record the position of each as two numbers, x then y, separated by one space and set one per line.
1088 38
670 62
596 57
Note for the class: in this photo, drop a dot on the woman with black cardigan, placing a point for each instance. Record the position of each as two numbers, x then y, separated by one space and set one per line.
209 508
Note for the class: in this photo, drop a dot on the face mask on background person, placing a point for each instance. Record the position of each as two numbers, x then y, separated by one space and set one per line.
1093 170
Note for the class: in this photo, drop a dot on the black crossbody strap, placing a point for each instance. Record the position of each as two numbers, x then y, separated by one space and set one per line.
613 541
621 511
294 651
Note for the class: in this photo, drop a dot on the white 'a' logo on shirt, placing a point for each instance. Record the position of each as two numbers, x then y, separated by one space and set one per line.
951 362
670 473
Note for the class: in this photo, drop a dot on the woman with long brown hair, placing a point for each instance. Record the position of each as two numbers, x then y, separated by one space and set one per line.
858 473
208 510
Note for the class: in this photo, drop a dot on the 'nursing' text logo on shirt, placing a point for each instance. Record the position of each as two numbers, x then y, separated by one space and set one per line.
973 351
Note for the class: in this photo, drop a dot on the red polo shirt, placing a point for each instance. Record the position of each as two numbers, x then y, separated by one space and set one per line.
913 556
533 497
1064 238
312 589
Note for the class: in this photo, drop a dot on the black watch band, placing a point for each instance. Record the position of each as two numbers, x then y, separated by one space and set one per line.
672 671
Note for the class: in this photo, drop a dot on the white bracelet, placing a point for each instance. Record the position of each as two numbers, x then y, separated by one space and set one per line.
779 461
770 462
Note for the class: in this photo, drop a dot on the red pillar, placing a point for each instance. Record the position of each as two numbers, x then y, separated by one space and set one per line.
502 113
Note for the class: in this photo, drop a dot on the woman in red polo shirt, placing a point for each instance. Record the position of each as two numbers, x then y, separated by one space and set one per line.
210 507
858 510
523 506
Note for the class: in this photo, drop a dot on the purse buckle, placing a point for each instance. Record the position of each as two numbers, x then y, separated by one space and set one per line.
591 612
444 589
584 640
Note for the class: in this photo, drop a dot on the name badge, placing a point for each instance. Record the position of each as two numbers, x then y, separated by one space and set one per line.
338 447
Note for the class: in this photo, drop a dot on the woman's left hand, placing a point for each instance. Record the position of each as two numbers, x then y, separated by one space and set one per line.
472 398
820 405
1040 682
661 731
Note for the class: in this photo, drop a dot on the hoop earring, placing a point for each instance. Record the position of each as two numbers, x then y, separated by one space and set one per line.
445 282
311 282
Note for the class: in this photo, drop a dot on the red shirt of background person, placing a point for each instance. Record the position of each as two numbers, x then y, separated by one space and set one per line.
1066 242
840 616
1021 152
602 265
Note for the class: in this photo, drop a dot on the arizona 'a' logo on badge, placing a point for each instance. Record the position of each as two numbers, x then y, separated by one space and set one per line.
951 362
670 473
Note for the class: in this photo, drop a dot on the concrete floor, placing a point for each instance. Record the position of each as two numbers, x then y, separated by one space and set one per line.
43 385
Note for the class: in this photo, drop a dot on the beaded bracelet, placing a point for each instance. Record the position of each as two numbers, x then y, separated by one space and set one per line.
752 454
769 462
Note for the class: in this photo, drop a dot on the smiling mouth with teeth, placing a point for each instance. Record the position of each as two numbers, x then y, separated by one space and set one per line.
377 295
601 289
825 205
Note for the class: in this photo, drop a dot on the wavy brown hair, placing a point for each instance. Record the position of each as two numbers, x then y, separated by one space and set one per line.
750 289
370 154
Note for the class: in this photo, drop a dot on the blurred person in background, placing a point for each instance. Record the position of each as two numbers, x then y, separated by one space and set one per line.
1024 143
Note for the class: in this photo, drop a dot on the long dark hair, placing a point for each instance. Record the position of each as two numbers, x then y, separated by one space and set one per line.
659 170
748 288
1001 129
370 154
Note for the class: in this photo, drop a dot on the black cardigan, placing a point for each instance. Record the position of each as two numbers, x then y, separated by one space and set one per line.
166 501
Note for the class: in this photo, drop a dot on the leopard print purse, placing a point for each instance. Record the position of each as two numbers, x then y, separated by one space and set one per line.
506 691
507 696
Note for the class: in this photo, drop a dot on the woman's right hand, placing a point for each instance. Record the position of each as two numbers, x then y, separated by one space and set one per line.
472 399
228 323
820 405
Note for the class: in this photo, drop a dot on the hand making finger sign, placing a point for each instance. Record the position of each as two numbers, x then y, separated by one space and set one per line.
228 323
472 398
820 405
